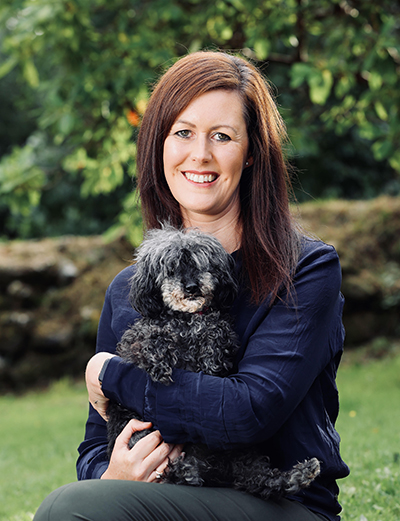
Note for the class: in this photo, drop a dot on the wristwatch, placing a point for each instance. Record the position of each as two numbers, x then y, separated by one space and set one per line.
102 372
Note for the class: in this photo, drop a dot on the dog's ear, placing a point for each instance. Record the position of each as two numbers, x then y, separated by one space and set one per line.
144 295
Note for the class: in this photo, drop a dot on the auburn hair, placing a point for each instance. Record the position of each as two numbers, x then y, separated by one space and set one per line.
270 240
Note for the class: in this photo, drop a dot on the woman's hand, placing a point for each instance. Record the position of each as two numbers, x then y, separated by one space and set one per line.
96 396
145 461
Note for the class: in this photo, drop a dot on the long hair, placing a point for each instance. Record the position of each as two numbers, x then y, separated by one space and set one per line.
270 241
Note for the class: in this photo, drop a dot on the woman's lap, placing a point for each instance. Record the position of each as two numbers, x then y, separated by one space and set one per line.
105 500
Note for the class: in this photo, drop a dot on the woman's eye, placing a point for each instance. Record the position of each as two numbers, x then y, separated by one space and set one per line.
220 136
183 133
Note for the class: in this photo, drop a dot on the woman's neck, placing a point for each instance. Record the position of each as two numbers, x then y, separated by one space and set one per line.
226 228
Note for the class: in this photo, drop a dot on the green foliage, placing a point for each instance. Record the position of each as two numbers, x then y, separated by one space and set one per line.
21 179
85 69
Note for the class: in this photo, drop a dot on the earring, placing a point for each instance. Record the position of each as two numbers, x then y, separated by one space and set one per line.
247 163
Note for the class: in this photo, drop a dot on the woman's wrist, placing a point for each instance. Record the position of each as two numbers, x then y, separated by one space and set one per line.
95 365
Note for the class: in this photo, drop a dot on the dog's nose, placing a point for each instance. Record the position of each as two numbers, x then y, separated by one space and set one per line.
191 288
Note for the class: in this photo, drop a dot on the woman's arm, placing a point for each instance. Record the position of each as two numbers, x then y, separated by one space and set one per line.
286 348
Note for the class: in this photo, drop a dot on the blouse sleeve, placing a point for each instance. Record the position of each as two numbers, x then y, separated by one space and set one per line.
284 348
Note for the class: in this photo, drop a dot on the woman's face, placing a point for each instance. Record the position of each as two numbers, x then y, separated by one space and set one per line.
205 153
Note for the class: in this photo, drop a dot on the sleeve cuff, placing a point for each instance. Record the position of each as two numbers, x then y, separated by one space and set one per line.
124 383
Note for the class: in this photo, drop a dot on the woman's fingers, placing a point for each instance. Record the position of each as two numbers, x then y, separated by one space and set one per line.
163 466
175 452
147 459
130 428
155 454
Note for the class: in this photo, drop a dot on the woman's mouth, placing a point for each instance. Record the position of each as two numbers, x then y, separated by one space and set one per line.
207 177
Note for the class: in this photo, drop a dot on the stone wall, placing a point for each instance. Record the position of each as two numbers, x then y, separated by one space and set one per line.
366 234
51 295
52 290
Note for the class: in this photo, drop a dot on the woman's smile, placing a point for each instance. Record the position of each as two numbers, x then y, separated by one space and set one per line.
205 153
200 177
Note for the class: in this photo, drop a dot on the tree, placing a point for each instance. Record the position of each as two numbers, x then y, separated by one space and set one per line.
90 65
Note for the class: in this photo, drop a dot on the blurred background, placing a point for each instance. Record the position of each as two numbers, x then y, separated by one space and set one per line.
75 77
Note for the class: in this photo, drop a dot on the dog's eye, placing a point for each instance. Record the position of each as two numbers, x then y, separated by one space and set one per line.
169 272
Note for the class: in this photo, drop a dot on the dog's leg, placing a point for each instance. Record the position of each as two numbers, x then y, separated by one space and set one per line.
260 480
151 346
301 475
211 344
186 470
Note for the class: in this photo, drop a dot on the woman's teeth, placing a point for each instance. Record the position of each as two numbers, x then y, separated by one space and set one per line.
200 178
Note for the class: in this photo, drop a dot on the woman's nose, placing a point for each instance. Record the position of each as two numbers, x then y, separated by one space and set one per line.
201 151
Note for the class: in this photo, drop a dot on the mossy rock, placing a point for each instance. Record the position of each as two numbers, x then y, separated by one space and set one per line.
53 291
366 235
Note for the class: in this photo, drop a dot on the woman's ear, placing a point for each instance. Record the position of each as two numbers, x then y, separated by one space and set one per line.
249 161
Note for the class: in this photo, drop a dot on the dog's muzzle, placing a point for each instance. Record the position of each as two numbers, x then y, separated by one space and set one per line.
189 297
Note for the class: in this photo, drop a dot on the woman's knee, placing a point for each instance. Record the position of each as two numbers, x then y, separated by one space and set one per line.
50 507
78 500
95 500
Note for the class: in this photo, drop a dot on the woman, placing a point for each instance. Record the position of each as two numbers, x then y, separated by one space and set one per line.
210 156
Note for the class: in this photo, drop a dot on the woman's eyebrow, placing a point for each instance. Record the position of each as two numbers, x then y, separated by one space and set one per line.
183 122
224 125
215 127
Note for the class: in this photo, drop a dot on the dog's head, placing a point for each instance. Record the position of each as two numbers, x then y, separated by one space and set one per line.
182 271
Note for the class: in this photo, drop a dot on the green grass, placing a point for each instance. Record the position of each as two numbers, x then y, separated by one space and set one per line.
369 424
40 432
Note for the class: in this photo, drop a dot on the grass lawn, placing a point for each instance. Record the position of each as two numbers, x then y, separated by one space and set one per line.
40 432
369 424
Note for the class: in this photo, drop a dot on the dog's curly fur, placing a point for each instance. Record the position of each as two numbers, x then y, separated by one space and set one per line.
184 286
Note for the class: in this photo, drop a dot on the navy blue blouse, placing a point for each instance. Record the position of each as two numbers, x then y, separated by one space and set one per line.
282 393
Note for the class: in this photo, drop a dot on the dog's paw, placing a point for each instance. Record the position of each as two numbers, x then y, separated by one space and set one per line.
185 471
302 475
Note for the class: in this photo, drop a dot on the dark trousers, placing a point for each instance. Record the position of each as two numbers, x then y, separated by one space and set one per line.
109 500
